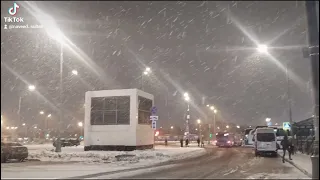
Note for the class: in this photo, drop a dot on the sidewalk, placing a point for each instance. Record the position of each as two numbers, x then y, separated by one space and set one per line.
300 161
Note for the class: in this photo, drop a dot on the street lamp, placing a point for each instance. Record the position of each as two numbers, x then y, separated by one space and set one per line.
268 119
171 127
187 99
212 108
54 32
227 126
74 72
238 127
199 124
80 124
147 71
49 115
41 112
30 88
262 48
26 128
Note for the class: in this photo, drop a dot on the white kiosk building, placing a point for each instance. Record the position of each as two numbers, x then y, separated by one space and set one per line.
118 120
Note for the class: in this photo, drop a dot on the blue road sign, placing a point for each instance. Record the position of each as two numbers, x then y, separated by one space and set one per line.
286 126
153 110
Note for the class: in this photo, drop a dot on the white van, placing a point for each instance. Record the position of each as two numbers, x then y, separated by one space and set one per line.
265 141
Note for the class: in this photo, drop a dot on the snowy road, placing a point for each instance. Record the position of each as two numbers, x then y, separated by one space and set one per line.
222 163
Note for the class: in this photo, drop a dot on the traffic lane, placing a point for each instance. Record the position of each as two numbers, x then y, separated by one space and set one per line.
228 163
195 168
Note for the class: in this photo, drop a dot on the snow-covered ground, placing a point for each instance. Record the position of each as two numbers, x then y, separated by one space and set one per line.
300 161
74 161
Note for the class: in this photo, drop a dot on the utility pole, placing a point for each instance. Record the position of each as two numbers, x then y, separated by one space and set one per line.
312 10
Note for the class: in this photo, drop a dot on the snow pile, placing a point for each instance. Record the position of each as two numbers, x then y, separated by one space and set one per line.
160 154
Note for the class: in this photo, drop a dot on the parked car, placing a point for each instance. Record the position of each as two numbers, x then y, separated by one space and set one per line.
68 142
13 150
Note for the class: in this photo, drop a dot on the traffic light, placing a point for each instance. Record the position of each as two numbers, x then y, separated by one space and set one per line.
210 135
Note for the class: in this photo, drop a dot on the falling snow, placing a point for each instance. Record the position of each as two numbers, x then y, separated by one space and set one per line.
206 48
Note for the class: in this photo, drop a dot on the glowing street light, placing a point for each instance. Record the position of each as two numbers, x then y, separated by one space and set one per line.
145 72
212 108
227 126
187 99
74 72
262 48
80 124
238 126
215 111
41 112
198 121
23 124
268 119
49 115
31 87
171 127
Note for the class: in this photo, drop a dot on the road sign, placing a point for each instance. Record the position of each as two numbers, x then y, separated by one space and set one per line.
154 124
286 126
269 123
154 118
154 110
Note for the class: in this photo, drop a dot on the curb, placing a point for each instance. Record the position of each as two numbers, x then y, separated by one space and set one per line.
297 166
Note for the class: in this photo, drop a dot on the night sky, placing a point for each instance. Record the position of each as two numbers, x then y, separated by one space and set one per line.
205 48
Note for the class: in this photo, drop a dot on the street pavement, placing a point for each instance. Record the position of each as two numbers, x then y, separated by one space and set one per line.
227 163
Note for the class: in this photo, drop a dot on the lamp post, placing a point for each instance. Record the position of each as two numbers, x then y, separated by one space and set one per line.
30 88
199 126
312 10
26 129
80 124
146 72
268 120
47 128
55 33
263 49
187 99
